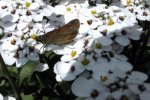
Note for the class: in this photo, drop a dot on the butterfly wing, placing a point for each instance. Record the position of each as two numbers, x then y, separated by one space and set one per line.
62 35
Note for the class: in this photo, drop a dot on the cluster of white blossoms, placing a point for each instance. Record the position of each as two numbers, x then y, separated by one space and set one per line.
93 60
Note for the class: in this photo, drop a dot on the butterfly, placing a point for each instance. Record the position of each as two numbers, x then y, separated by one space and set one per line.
62 35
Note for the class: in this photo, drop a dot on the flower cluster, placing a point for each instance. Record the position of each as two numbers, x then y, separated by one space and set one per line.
94 56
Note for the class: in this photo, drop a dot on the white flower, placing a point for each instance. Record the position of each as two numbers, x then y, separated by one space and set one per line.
68 71
89 88
71 53
137 77
11 44
86 61
121 65
101 73
128 33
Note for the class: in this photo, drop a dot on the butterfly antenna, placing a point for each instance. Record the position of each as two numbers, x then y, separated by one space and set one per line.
44 46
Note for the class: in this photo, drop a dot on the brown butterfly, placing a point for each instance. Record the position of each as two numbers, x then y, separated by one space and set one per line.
62 35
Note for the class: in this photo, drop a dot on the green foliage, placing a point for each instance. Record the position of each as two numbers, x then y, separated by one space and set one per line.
65 86
27 71
27 97
91 3
48 53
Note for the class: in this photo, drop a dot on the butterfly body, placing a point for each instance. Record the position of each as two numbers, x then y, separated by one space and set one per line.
62 35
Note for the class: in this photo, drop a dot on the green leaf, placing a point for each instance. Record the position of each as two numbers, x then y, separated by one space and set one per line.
48 53
1 72
91 3
27 97
54 98
13 70
65 86
39 79
45 98
27 71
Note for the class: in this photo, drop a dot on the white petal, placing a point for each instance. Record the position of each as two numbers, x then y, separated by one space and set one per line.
68 77
8 59
62 68
133 36
37 17
66 58
135 75
122 65
3 3
42 67
145 95
15 18
9 47
9 98
22 25
123 40
95 34
34 6
9 26
84 28
112 28
134 88
33 56
80 87
104 41
21 61
26 18
48 11
58 50
1 96
117 94
58 78
6 17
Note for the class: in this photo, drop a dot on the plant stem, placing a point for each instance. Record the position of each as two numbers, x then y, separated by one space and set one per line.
8 76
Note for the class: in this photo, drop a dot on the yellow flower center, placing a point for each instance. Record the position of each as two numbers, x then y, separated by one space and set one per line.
33 36
98 45
85 61
28 4
93 12
129 2
73 53
110 21
103 78
68 9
